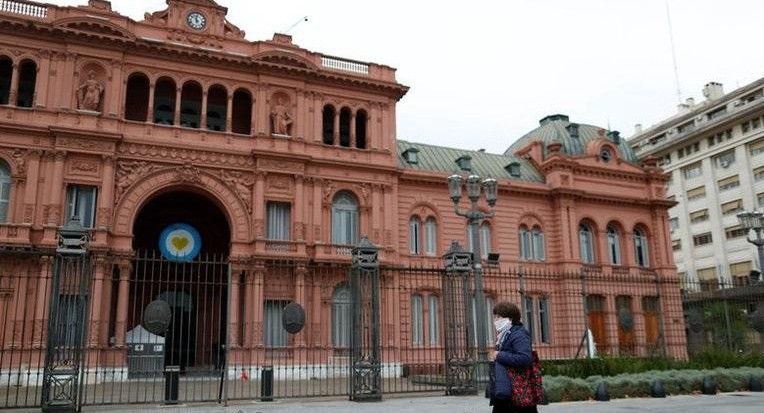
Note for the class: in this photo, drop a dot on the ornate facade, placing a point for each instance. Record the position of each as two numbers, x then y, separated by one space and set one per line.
275 153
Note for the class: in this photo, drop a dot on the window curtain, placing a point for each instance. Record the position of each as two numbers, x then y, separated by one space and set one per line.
587 248
414 235
525 253
5 191
417 320
539 252
614 247
434 317
640 249
81 203
345 220
431 236
485 240
341 321
275 335
544 319
279 221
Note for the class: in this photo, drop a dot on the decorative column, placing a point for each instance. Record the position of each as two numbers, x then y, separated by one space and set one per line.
30 191
317 200
56 188
299 126
229 114
336 131
106 192
261 120
125 269
96 324
14 95
234 306
315 317
150 108
114 96
68 87
43 75
249 309
178 95
352 130
41 303
258 304
19 309
365 360
318 119
300 298
203 117
299 214
259 207
253 116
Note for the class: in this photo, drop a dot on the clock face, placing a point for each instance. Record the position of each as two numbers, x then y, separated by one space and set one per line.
196 20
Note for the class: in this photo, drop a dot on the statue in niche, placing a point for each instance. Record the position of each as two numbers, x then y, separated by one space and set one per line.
281 118
89 94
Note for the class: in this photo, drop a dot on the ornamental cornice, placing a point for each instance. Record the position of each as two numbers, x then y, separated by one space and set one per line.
174 153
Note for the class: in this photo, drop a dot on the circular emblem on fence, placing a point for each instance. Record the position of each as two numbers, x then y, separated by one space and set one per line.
157 317
757 319
293 318
626 319
695 320
180 242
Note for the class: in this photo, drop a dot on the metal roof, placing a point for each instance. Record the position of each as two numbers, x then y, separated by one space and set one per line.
442 159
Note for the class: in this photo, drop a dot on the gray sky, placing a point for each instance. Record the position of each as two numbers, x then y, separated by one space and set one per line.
482 73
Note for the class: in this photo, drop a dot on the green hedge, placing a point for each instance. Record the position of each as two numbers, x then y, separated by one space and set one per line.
612 366
560 388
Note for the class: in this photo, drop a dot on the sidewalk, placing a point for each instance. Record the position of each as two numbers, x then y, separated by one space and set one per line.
728 402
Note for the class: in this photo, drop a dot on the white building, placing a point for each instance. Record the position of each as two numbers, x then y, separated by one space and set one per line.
714 151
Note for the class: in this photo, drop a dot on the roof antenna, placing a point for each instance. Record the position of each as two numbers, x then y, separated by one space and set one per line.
297 23
673 54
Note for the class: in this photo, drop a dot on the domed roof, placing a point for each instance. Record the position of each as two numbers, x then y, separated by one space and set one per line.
574 137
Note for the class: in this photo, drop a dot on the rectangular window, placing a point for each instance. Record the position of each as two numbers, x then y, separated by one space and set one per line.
757 147
733 207
279 221
716 112
699 216
676 244
745 127
686 127
434 319
729 183
431 236
417 320
756 123
415 236
724 160
528 316
673 224
741 269
5 195
81 202
544 320
274 334
538 245
760 199
758 174
707 279
735 232
702 239
693 171
697 193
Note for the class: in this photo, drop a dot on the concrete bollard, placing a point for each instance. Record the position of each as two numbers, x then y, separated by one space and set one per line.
657 389
602 394
709 386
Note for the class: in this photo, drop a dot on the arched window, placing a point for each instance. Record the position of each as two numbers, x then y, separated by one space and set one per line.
434 320
137 97
341 321
431 236
27 84
360 129
525 243
5 190
415 235
586 243
344 219
417 320
539 247
217 108
328 125
345 116
485 240
6 73
614 245
640 248
164 102
191 105
242 112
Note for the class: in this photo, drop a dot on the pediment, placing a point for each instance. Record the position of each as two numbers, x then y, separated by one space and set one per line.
95 26
284 57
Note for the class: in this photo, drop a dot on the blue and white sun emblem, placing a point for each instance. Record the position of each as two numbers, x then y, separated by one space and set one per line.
180 242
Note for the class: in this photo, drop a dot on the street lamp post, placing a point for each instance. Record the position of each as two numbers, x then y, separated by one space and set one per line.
754 221
474 216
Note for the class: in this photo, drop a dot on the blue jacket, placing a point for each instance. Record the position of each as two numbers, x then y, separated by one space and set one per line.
513 351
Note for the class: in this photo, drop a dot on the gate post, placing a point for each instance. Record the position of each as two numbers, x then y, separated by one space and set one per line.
457 314
365 363
67 326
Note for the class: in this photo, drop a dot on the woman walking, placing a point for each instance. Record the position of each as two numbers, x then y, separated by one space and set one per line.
513 351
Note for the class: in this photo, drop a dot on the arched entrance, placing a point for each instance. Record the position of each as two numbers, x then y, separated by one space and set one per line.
181 240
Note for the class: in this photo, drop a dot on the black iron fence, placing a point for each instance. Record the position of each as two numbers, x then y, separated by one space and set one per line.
227 342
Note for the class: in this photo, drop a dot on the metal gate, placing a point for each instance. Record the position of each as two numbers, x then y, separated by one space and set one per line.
67 326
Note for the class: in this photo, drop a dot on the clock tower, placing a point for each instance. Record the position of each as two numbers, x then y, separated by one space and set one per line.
195 18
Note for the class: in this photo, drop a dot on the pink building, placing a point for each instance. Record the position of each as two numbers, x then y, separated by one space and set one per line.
278 159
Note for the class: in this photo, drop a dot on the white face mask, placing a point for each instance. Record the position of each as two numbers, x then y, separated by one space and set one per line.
501 323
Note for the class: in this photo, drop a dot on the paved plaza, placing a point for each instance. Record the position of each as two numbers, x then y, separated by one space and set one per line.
730 402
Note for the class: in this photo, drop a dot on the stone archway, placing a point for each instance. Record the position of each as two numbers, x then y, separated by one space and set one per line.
232 197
